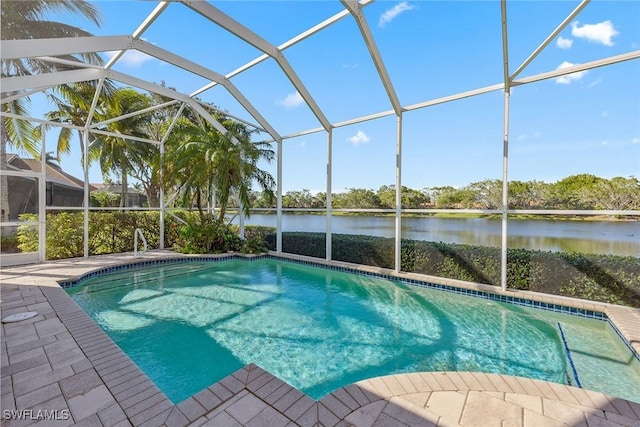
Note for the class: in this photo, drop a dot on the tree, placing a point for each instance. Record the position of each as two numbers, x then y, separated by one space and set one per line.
387 196
145 167
26 20
18 134
356 198
105 198
145 160
301 199
615 194
259 199
488 194
205 159
456 199
411 199
436 192
73 102
568 192
118 155
519 195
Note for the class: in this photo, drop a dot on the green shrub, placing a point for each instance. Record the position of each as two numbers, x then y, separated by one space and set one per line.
9 244
205 236
606 278
112 232
259 231
109 232
254 245
27 235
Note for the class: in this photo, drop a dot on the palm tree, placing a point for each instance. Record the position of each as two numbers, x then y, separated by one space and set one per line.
116 154
73 102
145 167
145 158
19 134
26 20
227 163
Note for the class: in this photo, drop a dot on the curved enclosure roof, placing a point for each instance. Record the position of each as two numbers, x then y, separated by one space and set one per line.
373 59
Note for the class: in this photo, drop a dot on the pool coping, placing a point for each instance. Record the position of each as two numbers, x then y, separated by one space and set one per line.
140 402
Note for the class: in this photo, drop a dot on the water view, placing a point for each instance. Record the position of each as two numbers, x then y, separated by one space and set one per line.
596 237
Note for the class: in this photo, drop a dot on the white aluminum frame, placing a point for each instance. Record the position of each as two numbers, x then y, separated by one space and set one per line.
16 87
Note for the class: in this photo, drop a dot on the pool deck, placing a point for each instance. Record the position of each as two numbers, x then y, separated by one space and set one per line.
61 362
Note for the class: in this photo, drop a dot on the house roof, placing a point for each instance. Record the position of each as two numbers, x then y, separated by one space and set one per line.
54 173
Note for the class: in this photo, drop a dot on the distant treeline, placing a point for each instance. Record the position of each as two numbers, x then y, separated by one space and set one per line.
582 191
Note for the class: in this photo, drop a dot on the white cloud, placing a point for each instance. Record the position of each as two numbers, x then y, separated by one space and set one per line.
359 138
636 140
567 79
292 100
131 58
563 43
392 13
605 114
601 32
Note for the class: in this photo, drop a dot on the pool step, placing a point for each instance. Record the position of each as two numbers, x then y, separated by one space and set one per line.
138 271
567 352
102 286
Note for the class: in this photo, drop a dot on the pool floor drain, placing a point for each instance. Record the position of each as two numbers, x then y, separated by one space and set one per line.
20 316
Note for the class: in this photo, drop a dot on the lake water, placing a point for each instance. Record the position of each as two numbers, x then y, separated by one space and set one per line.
600 237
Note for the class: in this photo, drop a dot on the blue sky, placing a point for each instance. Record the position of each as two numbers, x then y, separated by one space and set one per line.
583 123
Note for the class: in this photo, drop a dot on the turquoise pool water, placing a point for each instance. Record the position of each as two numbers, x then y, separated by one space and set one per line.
189 325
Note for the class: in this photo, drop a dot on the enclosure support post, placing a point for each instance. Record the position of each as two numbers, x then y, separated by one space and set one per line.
505 192
505 146
161 195
329 189
42 202
85 167
398 237
279 200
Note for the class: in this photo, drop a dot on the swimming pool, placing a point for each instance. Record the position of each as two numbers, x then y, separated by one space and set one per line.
188 325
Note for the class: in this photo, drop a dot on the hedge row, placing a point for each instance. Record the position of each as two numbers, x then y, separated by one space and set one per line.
109 232
606 278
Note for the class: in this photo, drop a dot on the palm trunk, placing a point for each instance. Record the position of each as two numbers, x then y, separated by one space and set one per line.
224 203
153 195
223 212
125 188
199 205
